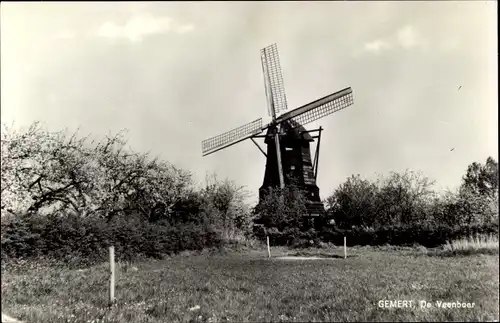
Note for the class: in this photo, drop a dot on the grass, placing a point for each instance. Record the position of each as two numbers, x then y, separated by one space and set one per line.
249 287
477 244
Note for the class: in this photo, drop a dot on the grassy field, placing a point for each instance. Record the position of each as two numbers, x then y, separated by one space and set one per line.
249 287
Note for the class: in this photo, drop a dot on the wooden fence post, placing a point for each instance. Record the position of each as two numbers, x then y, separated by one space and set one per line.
268 247
345 247
112 275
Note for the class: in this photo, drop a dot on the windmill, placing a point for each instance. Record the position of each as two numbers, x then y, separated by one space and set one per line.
288 142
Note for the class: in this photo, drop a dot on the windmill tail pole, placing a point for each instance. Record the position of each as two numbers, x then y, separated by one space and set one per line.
316 157
278 157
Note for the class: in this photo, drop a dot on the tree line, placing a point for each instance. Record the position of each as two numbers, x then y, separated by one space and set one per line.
60 189
399 208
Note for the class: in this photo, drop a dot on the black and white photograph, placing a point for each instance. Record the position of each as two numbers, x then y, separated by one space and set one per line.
249 161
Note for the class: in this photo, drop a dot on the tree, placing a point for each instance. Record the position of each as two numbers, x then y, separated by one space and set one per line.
53 172
476 200
42 170
224 203
134 182
282 208
403 198
353 202
400 198
481 179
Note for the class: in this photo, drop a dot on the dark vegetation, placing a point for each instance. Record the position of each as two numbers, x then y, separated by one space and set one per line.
67 197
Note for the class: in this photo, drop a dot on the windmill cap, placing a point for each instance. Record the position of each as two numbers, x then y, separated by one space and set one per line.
294 131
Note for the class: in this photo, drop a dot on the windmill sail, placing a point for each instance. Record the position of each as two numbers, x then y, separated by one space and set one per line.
232 137
273 79
319 108
288 142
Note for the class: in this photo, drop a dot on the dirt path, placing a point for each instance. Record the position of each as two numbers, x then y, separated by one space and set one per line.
8 319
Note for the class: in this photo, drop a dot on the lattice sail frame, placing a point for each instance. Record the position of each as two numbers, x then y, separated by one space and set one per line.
271 61
275 92
233 136
324 110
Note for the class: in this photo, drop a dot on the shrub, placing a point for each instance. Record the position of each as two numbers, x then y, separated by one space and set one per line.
477 243
87 239
400 235
282 208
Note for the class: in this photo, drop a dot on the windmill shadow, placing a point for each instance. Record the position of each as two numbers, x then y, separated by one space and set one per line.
320 255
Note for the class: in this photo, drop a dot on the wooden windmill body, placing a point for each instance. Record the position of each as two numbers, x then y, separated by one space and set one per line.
288 143
297 165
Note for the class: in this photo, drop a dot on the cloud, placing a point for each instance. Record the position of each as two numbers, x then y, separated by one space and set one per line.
139 27
185 28
406 37
377 46
65 34
449 44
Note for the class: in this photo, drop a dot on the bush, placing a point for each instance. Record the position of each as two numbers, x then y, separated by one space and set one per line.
72 238
113 192
473 244
408 198
282 208
79 196
402 235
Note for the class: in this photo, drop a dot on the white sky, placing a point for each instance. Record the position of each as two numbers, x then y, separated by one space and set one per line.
177 73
